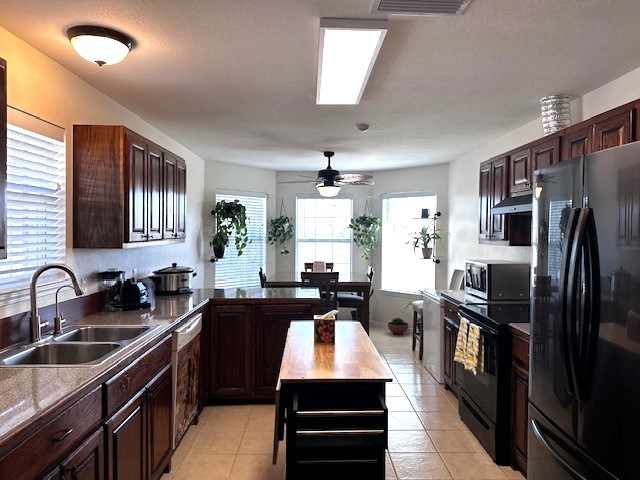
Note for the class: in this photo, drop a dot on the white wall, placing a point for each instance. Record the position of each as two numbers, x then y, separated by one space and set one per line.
42 87
220 175
464 172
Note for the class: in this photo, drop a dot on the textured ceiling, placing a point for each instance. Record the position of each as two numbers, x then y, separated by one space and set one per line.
235 80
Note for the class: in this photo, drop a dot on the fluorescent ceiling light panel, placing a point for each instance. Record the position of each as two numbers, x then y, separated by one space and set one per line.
348 50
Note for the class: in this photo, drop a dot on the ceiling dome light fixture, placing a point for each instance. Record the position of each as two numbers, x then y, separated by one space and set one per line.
99 45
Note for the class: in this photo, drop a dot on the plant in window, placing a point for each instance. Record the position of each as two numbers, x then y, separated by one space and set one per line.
423 238
366 231
230 217
280 232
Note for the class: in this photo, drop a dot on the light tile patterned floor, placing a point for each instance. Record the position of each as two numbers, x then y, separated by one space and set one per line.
427 439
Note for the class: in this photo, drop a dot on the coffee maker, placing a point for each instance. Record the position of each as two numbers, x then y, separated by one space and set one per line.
123 294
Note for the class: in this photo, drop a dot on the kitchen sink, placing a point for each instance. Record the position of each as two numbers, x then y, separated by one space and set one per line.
118 334
72 353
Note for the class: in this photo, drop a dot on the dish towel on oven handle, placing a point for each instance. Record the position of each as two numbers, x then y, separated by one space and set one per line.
474 360
461 342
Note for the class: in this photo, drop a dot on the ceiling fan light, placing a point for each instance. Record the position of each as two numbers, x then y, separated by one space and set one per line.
99 45
328 190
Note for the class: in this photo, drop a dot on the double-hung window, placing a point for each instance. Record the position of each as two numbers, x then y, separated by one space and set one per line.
403 269
35 200
323 233
242 271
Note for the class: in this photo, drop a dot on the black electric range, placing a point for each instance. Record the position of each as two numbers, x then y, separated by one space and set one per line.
485 403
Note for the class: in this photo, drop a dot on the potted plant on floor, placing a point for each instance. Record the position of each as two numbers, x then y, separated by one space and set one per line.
366 230
230 217
423 238
398 326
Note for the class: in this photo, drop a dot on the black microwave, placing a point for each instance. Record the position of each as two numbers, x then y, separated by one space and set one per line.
497 279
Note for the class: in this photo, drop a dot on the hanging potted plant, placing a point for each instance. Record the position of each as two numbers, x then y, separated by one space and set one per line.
281 230
230 217
366 231
423 238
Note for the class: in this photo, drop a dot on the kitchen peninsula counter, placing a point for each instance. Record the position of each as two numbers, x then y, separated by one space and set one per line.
30 395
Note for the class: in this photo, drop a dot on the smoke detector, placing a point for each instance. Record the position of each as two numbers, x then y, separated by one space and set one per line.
433 8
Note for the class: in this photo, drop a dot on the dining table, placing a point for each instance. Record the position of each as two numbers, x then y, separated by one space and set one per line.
357 283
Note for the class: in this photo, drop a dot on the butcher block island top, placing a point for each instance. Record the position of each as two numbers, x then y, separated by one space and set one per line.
353 358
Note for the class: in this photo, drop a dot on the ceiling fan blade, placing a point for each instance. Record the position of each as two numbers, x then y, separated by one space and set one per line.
298 181
354 179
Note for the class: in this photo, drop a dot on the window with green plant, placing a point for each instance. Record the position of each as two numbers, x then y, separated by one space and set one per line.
366 231
245 250
403 268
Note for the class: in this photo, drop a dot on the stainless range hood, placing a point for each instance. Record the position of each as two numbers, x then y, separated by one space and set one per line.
514 205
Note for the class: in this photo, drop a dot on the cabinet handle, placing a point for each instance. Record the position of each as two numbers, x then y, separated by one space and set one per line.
66 433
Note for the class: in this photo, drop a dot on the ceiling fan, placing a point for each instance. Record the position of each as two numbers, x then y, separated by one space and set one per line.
329 180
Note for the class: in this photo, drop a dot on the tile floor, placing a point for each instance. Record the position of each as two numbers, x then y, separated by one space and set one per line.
427 439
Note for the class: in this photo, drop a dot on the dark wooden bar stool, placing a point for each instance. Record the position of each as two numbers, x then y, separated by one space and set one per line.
418 316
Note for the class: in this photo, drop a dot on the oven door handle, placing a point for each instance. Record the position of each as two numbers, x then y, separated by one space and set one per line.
483 327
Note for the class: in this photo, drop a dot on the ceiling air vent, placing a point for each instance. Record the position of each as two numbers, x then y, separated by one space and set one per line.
420 7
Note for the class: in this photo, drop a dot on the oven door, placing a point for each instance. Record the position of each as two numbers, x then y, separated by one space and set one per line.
482 388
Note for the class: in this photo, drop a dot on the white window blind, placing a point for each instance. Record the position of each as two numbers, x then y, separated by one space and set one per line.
242 271
323 233
403 269
35 205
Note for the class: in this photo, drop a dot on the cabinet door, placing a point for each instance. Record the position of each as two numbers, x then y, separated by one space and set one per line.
231 351
181 199
155 194
127 441
613 131
159 427
544 154
485 194
87 461
170 196
519 417
448 353
520 171
271 326
204 385
576 141
138 189
499 192
3 159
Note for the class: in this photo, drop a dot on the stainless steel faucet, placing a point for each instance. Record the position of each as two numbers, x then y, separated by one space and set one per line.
35 324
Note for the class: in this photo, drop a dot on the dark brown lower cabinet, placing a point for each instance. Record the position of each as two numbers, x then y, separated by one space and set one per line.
126 440
451 328
246 346
159 427
519 400
85 463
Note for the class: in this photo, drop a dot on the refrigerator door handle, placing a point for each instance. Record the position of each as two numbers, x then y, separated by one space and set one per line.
567 298
537 430
591 323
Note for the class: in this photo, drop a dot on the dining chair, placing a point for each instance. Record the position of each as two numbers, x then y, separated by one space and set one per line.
263 278
329 266
327 283
308 266
356 302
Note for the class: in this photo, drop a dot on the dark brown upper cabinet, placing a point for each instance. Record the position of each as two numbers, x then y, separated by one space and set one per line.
520 171
126 189
576 141
493 189
613 131
3 159
544 153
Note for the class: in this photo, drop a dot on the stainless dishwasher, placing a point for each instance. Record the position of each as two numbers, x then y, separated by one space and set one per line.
185 359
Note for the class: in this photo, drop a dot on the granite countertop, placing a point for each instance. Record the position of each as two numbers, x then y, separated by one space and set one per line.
29 392
522 328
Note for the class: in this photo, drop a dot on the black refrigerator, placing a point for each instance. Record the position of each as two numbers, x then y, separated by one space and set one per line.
584 390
